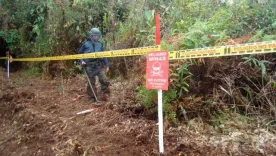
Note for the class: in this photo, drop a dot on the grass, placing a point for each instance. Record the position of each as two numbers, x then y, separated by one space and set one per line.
32 72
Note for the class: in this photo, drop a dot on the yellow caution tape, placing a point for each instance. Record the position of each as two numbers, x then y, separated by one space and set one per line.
3 58
114 53
232 50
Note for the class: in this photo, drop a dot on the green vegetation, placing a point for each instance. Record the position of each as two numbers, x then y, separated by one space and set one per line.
198 87
32 72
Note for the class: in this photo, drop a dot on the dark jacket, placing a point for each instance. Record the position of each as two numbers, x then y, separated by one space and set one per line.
91 46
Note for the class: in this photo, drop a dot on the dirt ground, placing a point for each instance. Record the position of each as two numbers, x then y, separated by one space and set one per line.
36 119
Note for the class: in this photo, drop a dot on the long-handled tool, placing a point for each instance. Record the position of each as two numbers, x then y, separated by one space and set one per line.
98 103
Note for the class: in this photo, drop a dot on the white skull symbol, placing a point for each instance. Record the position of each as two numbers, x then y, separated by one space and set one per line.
156 66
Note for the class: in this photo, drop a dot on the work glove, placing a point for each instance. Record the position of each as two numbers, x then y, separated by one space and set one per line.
83 64
107 69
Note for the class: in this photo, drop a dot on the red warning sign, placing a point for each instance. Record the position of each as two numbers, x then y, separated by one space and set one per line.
157 70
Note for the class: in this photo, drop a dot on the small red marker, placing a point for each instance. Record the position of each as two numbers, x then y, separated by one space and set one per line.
209 36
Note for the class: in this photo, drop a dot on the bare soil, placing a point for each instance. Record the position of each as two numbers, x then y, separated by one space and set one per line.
36 119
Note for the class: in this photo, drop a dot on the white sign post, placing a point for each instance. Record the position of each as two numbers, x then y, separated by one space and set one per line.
160 121
8 65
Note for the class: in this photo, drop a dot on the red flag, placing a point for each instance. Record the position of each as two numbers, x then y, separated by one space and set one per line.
158 29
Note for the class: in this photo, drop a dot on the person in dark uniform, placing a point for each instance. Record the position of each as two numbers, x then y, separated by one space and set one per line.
96 66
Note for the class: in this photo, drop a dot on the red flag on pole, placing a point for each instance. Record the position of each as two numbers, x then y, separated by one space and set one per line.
158 29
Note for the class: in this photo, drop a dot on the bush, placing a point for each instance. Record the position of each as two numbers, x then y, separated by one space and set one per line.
148 98
32 72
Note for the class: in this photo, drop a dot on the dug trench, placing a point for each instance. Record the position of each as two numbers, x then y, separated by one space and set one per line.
36 119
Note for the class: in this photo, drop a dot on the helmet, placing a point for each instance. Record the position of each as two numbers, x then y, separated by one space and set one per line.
95 31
